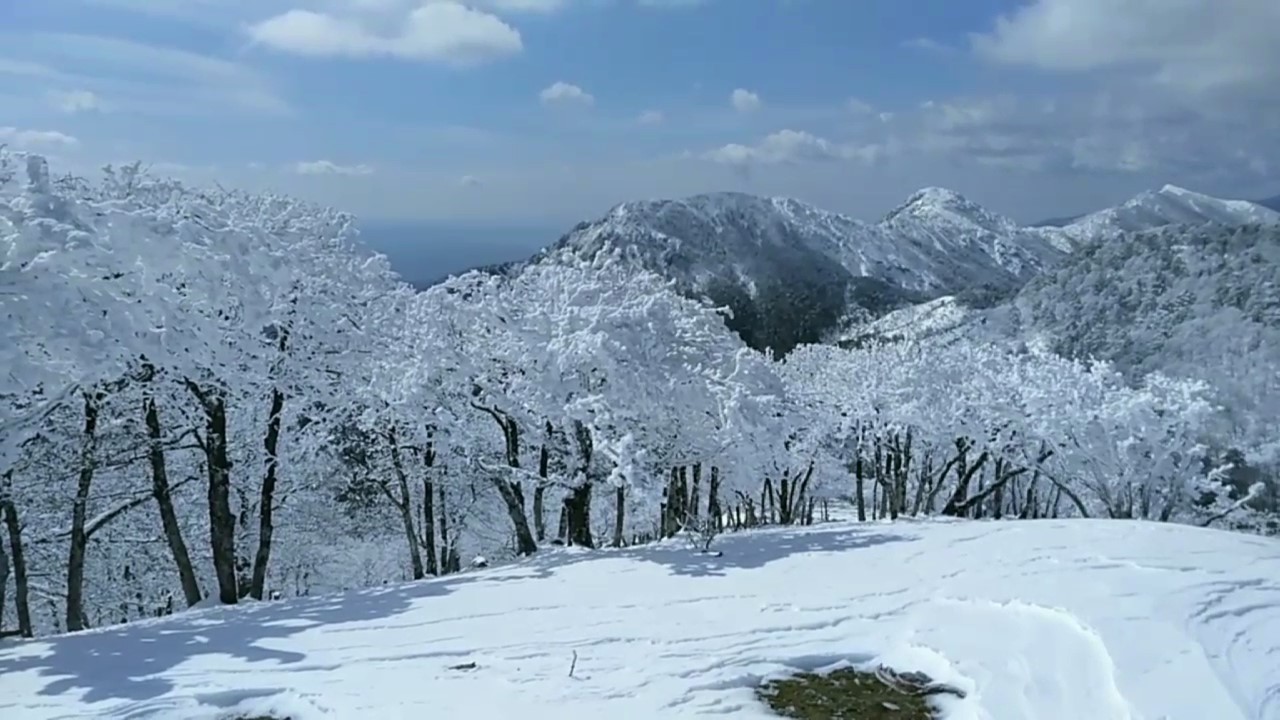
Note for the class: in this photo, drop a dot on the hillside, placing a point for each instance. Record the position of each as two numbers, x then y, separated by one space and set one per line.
1083 619
795 274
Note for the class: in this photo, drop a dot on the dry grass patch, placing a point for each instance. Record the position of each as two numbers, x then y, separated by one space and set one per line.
844 694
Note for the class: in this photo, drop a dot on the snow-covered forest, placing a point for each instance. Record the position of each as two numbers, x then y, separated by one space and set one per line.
210 396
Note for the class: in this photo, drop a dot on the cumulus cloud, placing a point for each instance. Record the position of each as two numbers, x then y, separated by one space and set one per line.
1191 45
790 146
651 117
744 101
35 139
469 181
563 93
328 167
444 32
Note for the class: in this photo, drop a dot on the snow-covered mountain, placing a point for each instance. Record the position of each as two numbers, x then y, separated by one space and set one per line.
1170 205
793 273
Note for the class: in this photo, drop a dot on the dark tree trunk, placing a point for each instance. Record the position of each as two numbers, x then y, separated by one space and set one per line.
578 504
18 556
428 504
510 491
450 561
266 506
953 507
619 515
713 499
859 487
79 515
404 503
539 492
695 493
222 522
4 582
160 490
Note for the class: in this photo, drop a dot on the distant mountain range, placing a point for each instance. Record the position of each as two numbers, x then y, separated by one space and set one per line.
793 273
1272 203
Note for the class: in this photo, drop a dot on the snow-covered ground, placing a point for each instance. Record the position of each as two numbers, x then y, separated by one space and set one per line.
1044 620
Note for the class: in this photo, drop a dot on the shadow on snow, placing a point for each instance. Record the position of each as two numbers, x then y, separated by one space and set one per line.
126 662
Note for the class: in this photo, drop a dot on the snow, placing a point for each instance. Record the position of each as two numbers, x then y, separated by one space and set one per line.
915 322
1167 206
1044 620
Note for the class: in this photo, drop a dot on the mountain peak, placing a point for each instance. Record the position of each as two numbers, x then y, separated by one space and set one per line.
934 195
947 207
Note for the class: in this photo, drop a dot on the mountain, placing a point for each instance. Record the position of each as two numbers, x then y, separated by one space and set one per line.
1170 205
1271 202
793 273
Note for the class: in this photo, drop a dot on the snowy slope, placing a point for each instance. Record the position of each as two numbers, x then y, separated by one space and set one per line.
913 323
935 241
1170 205
792 272
1038 620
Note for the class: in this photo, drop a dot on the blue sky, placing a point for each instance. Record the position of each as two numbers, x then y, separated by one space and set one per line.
544 112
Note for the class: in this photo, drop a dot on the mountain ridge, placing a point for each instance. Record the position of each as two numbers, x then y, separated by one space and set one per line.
793 273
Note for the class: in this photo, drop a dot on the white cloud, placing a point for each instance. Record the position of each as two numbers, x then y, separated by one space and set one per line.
469 181
35 139
651 117
444 32
74 101
563 93
327 167
1185 44
791 146
744 101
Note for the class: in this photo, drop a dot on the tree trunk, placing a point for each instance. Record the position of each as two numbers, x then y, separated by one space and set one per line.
695 493
539 492
449 559
511 492
859 487
75 617
160 490
404 503
222 522
266 502
578 505
17 554
713 499
619 514
954 507
428 503
429 526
